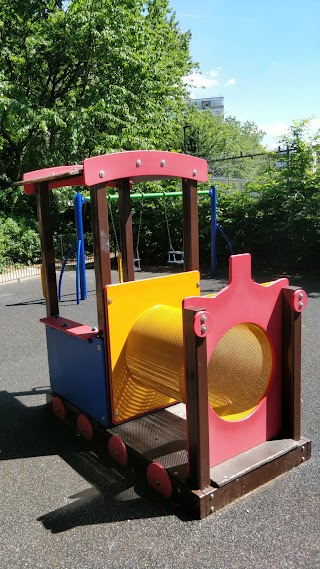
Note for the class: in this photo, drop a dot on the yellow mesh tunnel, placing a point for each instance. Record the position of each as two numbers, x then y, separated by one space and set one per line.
239 369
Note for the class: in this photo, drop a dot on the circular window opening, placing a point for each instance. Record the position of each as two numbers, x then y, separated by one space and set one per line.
239 371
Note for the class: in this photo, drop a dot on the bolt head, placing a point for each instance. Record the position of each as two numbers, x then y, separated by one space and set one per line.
198 285
203 329
138 162
203 319
101 174
211 510
194 173
99 347
300 305
162 163
109 301
300 296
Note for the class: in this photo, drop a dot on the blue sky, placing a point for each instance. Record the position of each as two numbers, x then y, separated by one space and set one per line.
263 56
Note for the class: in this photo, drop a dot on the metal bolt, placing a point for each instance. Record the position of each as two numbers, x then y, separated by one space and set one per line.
98 347
211 510
175 473
300 296
194 173
302 449
116 452
203 329
303 459
203 319
94 328
101 174
300 305
198 285
178 491
158 482
211 496
162 163
116 414
138 162
109 300
103 418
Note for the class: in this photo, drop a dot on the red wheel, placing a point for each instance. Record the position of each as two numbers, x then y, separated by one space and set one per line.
118 450
85 428
159 479
58 408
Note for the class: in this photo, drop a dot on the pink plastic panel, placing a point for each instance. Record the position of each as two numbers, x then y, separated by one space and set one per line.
244 301
70 327
144 165
53 177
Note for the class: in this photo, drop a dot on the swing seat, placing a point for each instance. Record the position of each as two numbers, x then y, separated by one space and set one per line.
136 264
175 257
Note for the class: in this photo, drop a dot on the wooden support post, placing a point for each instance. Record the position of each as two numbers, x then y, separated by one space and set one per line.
195 350
47 248
102 265
291 367
126 236
190 225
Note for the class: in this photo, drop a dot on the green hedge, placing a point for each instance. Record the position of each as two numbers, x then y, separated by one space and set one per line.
278 223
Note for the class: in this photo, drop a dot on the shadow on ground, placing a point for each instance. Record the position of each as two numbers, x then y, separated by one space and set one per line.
115 494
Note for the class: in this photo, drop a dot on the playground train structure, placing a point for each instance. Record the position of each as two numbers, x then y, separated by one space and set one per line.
199 394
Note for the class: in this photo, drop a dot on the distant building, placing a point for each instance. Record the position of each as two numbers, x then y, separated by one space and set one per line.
213 104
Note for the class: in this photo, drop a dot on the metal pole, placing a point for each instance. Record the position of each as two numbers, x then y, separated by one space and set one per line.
152 195
213 207
79 200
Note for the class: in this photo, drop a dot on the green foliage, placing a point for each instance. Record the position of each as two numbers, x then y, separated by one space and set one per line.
18 243
87 78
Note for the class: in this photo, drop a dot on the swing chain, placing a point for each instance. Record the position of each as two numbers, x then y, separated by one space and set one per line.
139 230
114 228
167 223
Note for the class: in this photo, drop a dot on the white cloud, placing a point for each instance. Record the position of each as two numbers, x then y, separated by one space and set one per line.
203 84
214 72
230 82
315 123
200 81
275 130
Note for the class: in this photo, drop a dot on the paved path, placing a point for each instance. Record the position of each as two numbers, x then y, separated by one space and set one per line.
60 510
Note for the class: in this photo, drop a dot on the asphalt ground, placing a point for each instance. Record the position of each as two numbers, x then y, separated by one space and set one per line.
61 509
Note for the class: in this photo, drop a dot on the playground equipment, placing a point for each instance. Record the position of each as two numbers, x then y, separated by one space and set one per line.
78 247
231 359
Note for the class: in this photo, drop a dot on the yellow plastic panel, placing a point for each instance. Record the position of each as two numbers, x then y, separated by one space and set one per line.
239 369
125 302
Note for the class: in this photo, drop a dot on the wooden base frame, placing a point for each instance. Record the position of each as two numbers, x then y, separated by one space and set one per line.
241 474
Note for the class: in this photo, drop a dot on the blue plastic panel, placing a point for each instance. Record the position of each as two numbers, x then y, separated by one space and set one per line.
78 374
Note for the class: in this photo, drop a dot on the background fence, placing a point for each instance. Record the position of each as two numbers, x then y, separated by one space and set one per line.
10 271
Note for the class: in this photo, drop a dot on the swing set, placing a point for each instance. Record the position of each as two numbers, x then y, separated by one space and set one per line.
174 256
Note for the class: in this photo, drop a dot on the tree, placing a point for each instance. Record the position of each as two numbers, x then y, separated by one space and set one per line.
213 137
85 77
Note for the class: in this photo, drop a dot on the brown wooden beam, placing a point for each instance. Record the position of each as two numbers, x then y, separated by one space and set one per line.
291 367
195 350
125 216
101 243
47 248
190 225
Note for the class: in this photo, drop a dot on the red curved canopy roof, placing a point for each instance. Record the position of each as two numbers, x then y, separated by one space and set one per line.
136 165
